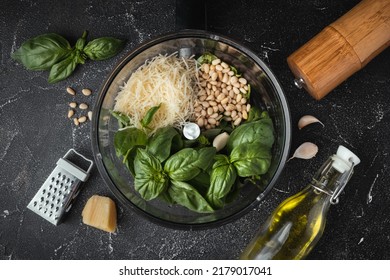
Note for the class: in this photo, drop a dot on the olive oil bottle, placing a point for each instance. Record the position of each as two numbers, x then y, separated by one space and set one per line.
297 224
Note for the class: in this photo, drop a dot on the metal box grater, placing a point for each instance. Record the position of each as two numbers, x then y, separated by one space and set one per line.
55 197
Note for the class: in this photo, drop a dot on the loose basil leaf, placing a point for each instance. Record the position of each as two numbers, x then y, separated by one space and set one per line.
251 159
257 131
223 176
150 180
103 48
123 119
62 70
163 142
254 114
164 196
127 138
188 162
43 51
186 195
206 58
146 120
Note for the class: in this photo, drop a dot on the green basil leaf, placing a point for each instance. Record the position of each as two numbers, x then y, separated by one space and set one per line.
201 182
80 44
222 178
43 51
251 159
129 157
257 131
188 162
150 180
103 48
123 119
254 114
146 120
62 70
163 142
206 58
127 138
186 195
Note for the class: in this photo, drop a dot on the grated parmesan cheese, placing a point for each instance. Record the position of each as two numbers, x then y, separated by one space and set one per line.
168 80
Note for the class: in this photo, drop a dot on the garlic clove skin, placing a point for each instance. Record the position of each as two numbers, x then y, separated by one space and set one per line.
308 119
306 150
220 141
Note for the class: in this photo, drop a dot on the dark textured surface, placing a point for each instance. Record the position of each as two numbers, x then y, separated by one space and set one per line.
34 131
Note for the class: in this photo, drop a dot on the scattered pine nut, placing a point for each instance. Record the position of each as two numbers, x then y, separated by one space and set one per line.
82 119
86 91
71 91
83 106
70 113
76 121
72 104
90 115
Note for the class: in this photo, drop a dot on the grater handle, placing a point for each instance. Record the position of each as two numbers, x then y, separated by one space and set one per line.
73 169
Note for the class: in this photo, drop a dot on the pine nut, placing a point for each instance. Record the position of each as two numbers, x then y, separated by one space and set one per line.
198 109
213 103
221 97
215 109
224 65
227 113
242 81
83 106
70 113
211 121
214 76
206 68
205 104
90 115
86 91
225 101
76 121
71 91
210 111
82 119
225 70
203 113
230 73
236 90
243 101
243 90
72 104
202 98
210 97
238 97
214 116
216 61
233 80
218 68
244 115
200 122
248 107
237 121
238 107
234 113
220 108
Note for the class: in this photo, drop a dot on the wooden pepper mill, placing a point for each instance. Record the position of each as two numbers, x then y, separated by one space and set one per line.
342 48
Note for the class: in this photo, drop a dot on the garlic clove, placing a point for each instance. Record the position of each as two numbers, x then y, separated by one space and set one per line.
306 120
306 150
220 141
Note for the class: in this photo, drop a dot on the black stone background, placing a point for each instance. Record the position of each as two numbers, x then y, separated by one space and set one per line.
34 131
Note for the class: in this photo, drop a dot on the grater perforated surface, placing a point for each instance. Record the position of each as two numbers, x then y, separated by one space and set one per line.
56 195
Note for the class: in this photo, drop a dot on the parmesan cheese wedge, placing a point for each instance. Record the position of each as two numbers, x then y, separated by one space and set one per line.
100 212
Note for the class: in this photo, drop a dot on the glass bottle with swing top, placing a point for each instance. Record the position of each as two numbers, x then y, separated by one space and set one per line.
296 225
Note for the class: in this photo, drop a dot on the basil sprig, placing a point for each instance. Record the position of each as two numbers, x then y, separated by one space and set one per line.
54 53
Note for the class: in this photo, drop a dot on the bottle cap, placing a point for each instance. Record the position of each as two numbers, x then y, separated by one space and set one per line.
344 159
